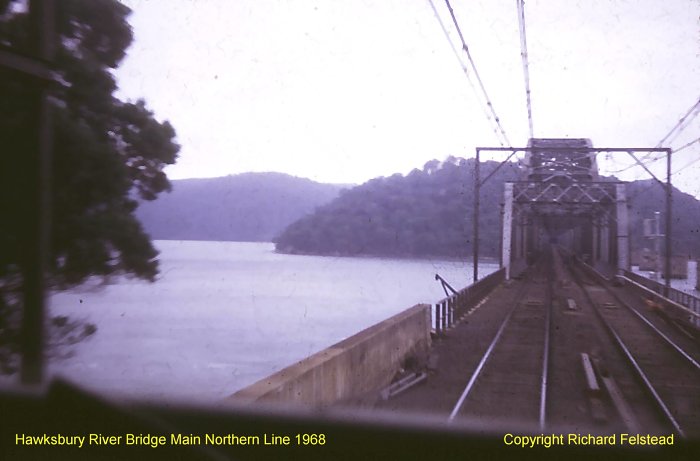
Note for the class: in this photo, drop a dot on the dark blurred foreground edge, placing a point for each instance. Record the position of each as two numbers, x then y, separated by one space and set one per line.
67 410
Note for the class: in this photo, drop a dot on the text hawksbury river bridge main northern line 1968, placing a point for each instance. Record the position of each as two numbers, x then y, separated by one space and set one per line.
177 439
156 441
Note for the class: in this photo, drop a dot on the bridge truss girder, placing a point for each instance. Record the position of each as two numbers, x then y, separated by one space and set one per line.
575 196
595 213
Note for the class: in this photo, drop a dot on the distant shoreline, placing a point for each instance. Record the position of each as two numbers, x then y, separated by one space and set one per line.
468 258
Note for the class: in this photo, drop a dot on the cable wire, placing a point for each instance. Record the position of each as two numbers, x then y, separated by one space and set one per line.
660 156
466 72
673 173
476 73
680 126
685 146
692 162
642 160
526 68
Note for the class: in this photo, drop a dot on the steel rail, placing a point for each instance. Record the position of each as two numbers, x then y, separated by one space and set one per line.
484 359
643 318
654 328
482 362
545 359
658 401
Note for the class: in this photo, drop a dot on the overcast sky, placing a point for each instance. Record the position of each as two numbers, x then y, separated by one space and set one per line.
347 90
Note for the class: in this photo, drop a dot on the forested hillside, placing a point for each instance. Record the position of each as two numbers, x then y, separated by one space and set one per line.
429 213
246 207
426 213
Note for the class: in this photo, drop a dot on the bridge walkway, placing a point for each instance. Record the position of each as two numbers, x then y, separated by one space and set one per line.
455 355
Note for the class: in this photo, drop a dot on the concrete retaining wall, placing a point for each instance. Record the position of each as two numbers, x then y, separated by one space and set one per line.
350 369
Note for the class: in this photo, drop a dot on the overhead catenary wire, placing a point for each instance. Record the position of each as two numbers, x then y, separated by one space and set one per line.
673 173
526 67
692 162
676 171
648 161
502 140
643 161
489 104
685 146
682 123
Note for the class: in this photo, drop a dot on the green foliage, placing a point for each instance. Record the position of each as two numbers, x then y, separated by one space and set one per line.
429 213
106 153
426 213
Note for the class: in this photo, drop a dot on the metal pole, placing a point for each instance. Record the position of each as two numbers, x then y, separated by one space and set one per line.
475 243
37 220
500 244
657 246
669 203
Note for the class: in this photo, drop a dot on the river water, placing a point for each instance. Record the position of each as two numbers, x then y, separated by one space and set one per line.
688 285
225 314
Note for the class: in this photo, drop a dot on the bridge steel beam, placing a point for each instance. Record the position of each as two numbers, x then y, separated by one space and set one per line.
669 221
623 262
507 228
613 237
604 239
595 244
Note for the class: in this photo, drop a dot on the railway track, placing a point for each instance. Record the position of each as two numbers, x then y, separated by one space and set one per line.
571 352
559 350
510 382
667 373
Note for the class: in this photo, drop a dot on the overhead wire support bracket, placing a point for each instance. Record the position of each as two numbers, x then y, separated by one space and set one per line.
640 163
629 150
515 150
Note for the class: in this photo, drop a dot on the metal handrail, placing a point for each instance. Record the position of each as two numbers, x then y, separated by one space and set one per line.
684 301
449 310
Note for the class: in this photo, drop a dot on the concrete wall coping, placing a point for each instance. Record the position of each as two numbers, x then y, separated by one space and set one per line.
305 366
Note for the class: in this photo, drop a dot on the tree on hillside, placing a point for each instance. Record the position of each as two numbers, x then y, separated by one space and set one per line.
422 214
428 213
106 154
